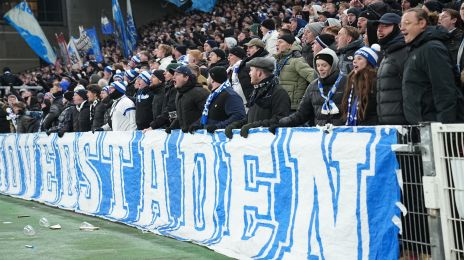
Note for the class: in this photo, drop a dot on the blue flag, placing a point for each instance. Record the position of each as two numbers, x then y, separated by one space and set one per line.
121 28
203 5
22 19
92 34
106 26
177 3
131 30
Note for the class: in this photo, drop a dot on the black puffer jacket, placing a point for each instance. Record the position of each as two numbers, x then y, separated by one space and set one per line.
429 89
65 120
81 118
389 82
97 114
244 73
168 108
346 55
190 101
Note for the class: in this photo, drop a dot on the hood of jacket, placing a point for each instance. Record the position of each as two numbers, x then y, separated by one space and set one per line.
431 33
352 45
334 67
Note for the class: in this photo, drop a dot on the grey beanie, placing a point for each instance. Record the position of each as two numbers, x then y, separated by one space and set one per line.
315 28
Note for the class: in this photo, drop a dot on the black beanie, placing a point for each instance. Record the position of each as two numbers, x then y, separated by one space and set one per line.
220 53
434 6
218 74
238 51
68 95
82 93
325 57
288 38
159 74
268 24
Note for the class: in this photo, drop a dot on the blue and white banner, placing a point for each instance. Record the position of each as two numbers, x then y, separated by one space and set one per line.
95 50
302 194
106 26
131 30
22 19
121 28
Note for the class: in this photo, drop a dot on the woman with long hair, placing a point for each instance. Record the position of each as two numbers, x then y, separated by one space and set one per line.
359 100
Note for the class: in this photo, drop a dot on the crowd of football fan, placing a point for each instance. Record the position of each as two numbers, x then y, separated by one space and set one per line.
258 64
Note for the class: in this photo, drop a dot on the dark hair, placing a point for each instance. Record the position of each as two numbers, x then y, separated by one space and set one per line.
94 88
363 84
454 15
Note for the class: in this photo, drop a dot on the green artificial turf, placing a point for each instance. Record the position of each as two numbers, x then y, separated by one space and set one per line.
112 241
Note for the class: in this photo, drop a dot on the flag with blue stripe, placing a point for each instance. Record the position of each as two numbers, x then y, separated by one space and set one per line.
106 26
121 28
22 19
131 30
92 34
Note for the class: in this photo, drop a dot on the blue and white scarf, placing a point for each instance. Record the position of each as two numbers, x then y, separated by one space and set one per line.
329 107
352 117
210 99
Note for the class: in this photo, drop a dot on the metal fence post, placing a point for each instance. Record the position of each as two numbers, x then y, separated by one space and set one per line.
431 196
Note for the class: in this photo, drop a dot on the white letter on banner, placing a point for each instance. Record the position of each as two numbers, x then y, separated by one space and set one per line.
49 192
117 150
3 170
326 226
28 162
65 147
153 210
13 164
90 191
252 194
200 188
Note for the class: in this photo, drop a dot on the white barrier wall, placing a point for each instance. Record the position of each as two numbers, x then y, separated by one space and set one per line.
302 193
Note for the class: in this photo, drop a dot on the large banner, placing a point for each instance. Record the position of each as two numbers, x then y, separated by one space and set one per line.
303 193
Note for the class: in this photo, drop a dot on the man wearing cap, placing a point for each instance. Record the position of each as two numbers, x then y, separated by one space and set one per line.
268 102
122 112
65 120
352 16
390 72
143 100
180 54
134 61
293 72
81 112
269 35
255 48
190 99
223 105
310 32
429 89
59 87
236 55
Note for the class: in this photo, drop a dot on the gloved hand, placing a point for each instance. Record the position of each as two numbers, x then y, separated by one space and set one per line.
97 130
48 132
273 128
228 131
185 130
246 129
194 128
211 128
168 130
60 134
